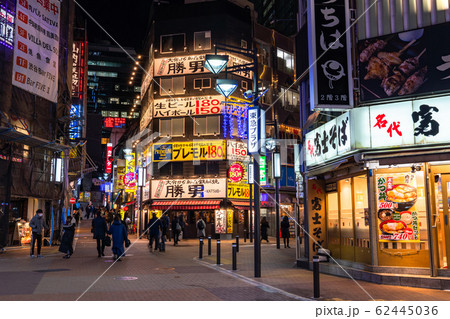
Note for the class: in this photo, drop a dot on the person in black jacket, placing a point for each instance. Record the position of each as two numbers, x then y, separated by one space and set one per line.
285 231
264 226
154 226
67 238
99 228
176 229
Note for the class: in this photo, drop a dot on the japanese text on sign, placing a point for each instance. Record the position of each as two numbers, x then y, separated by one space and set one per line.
189 188
190 151
188 106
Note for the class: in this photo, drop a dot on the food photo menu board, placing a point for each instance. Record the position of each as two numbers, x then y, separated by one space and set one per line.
398 217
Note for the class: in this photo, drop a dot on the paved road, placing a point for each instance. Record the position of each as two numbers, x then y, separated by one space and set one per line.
176 274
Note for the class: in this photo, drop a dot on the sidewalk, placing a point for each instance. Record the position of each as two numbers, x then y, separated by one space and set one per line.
177 274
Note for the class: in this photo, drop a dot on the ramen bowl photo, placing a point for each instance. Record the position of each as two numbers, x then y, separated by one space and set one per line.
385 214
405 196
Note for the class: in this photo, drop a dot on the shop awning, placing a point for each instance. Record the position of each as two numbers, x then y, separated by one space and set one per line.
242 205
187 204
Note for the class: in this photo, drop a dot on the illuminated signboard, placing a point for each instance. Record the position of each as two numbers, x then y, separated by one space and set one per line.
6 27
75 123
111 122
78 69
188 188
109 158
189 151
236 172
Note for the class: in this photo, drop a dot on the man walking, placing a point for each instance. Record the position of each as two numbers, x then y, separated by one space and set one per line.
201 225
89 210
153 226
99 228
36 225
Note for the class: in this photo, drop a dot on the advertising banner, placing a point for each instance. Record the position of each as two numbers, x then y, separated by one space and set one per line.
329 54
146 191
130 177
238 190
220 221
237 151
108 158
230 221
405 64
397 215
253 131
190 151
78 68
193 64
121 171
189 106
36 46
316 213
188 188
6 26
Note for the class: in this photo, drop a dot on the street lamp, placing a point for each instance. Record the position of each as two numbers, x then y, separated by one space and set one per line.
276 169
216 63
142 176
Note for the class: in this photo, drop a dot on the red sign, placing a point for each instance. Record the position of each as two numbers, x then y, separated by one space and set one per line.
114 122
73 200
108 158
236 172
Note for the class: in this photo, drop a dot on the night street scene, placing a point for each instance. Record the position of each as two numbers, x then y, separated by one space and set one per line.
226 150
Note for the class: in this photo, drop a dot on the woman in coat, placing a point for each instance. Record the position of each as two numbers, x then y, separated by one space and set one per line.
99 228
264 226
285 231
67 238
119 235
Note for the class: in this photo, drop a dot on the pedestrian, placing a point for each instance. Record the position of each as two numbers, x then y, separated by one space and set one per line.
36 225
89 210
201 225
264 226
110 217
182 224
99 229
285 231
153 227
176 229
67 239
76 216
119 236
165 222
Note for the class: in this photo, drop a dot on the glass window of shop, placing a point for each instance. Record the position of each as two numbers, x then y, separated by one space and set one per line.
348 219
401 217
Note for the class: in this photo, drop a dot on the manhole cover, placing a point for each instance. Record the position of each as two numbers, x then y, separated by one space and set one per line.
51 270
126 278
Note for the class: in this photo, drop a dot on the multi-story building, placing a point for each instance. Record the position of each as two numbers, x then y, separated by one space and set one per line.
37 122
196 156
376 158
278 15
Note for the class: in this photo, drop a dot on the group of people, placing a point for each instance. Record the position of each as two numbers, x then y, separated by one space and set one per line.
158 230
284 226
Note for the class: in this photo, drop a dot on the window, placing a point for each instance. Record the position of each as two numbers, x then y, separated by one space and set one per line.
171 86
122 114
126 102
173 43
114 100
169 169
137 101
289 99
137 89
208 168
200 84
206 125
244 85
243 44
116 87
135 115
285 62
202 40
171 127
110 113
105 63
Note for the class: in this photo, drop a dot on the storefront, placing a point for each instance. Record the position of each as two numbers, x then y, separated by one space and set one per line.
377 191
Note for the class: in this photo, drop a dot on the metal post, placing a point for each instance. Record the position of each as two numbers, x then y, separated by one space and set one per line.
218 252
257 246
234 250
237 243
200 249
140 214
209 245
316 276
251 213
277 210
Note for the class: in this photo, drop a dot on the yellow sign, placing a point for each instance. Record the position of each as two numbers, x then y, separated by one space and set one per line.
190 151
130 177
230 221
238 190
120 174
105 140
73 153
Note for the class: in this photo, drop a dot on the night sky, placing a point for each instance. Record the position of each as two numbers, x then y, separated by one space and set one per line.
126 21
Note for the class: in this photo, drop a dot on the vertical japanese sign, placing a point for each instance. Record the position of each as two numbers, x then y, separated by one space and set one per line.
253 130
329 54
398 219
6 26
121 170
78 69
36 47
316 213
220 221
108 158
230 221
262 171
130 177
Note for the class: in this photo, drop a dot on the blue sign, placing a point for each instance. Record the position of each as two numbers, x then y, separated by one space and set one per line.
75 123
162 152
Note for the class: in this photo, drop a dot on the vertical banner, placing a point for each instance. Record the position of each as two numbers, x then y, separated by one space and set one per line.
253 130
36 46
230 221
330 54
220 221
121 170
108 158
316 213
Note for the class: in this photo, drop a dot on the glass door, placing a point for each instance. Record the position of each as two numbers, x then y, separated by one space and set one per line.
442 222
346 219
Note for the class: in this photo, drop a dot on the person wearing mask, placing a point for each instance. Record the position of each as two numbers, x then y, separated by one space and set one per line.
153 227
201 225
36 225
285 231
67 239
119 236
264 227
99 228
176 229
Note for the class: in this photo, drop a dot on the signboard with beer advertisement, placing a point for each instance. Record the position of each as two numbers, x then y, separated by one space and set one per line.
188 188
190 151
397 214
189 106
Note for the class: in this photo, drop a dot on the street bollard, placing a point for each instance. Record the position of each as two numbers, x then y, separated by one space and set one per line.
209 245
234 248
316 276
200 249
218 252
237 243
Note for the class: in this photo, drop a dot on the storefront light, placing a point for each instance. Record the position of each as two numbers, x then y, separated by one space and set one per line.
216 63
226 87
276 162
